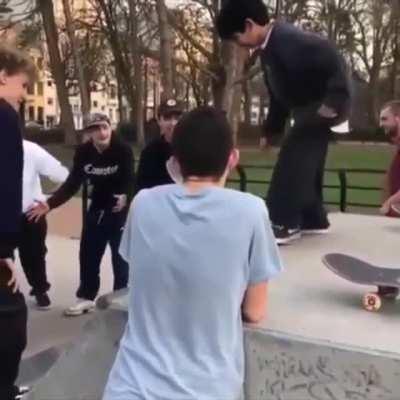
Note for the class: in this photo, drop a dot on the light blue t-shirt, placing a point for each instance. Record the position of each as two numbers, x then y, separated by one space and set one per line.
192 256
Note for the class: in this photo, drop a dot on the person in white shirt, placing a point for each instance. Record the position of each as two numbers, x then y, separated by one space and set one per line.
32 247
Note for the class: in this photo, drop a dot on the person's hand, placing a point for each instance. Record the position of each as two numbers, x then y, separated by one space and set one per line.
327 112
37 211
264 145
387 205
13 282
121 202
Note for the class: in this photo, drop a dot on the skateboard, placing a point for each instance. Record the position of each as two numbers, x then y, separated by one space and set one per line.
358 271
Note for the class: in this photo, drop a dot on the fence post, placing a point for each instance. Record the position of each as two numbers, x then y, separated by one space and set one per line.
242 177
343 190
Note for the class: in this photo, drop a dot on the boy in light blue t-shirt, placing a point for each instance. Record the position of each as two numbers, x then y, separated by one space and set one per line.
201 257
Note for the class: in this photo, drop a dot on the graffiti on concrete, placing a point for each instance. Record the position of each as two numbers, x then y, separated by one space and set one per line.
302 379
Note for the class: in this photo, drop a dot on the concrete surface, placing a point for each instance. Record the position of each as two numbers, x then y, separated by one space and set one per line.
306 300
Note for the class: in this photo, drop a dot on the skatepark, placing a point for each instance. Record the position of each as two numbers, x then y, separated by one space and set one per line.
316 343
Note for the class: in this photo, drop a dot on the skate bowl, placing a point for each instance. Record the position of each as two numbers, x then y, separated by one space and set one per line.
278 366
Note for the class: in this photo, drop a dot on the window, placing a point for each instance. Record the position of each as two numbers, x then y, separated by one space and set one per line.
50 101
31 89
31 113
40 88
95 104
40 62
103 108
49 83
40 115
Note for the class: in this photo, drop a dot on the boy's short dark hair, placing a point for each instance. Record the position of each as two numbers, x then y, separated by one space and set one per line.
233 15
14 61
202 143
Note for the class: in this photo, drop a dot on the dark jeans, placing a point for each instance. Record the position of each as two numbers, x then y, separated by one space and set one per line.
13 321
295 196
32 252
101 228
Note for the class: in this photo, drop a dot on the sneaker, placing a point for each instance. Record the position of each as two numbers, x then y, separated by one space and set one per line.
284 235
19 392
388 292
315 230
80 308
43 301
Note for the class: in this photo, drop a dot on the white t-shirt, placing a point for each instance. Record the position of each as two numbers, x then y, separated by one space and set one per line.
38 162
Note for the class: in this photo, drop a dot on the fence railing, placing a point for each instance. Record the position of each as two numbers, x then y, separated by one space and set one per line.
343 187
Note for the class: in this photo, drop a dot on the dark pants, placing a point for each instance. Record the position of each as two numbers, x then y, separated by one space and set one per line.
13 321
32 253
295 196
101 228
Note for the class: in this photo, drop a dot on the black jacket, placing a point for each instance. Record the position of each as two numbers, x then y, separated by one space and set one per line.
152 170
11 165
302 71
108 173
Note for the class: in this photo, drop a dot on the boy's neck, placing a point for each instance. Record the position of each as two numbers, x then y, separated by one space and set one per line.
195 183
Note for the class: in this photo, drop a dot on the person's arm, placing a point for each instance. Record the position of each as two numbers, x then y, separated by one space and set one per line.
146 174
71 186
264 264
11 164
50 167
322 57
128 173
275 122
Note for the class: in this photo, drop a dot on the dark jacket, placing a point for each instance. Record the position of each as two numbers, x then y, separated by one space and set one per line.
108 173
302 71
152 170
11 165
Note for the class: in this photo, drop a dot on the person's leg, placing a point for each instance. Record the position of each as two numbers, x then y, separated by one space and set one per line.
32 252
120 266
92 247
293 181
13 323
314 216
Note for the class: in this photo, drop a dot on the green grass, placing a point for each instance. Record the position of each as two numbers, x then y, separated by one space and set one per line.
341 156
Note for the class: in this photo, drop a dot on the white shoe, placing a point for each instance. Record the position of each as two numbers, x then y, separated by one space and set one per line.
322 231
80 308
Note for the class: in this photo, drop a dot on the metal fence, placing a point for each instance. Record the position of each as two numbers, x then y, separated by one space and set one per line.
343 187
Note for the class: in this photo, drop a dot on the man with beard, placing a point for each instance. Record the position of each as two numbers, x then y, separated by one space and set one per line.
390 122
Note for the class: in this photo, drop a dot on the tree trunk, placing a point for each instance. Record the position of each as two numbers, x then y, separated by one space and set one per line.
57 69
165 49
137 61
83 86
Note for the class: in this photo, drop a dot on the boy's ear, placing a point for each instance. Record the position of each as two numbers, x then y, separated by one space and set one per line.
234 159
3 77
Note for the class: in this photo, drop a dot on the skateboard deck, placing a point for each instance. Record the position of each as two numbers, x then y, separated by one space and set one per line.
358 271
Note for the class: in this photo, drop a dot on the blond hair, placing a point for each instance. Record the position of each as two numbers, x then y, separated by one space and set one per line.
13 61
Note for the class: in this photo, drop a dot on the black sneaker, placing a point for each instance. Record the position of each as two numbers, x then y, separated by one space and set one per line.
19 392
285 235
43 301
315 229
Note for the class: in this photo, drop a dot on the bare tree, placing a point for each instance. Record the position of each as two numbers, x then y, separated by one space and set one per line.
83 86
67 122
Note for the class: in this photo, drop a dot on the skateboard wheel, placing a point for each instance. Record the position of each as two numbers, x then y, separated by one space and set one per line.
372 302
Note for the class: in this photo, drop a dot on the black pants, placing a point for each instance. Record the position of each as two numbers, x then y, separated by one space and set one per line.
13 321
295 196
32 253
101 228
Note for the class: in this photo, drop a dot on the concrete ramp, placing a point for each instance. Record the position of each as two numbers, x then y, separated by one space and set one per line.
286 367
81 371
278 366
